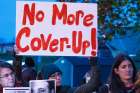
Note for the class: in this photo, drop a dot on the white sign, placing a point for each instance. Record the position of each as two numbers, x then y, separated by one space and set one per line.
43 86
56 29
17 90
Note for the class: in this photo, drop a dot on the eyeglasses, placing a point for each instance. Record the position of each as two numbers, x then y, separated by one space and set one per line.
7 75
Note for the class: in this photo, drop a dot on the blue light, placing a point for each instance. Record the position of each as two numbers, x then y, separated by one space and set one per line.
62 61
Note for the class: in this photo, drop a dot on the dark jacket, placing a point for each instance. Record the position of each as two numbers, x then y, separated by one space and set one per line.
105 89
63 89
93 83
28 74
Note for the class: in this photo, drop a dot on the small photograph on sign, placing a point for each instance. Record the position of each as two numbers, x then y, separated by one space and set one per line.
43 86
17 90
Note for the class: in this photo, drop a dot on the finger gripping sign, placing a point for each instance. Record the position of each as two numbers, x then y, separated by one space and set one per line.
56 29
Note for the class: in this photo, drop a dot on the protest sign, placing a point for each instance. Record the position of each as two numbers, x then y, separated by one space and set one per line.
56 29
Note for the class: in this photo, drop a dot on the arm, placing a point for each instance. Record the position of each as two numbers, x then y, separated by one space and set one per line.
93 83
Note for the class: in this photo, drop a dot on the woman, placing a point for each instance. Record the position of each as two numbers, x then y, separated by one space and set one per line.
51 71
122 76
28 72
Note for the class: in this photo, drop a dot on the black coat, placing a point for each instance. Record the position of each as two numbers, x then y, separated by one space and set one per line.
93 83
63 89
105 89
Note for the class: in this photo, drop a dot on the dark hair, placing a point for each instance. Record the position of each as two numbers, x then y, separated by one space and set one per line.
4 64
48 69
29 62
115 82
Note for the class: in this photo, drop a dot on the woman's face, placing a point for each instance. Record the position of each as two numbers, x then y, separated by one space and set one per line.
57 76
125 70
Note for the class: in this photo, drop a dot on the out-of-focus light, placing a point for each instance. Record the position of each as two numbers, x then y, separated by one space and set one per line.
23 63
132 55
62 61
10 61
104 36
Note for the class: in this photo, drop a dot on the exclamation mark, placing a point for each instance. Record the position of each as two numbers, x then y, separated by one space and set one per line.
93 42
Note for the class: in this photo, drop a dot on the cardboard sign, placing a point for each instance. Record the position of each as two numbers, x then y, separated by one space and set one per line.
56 29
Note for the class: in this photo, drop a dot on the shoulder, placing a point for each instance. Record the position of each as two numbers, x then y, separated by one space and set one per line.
63 89
28 70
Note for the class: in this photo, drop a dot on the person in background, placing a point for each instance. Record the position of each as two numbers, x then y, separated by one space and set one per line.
92 78
51 71
28 72
7 76
17 64
122 76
